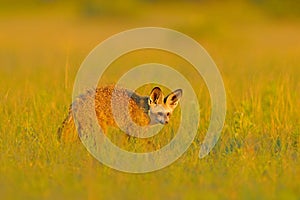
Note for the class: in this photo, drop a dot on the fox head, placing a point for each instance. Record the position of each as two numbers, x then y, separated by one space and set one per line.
160 107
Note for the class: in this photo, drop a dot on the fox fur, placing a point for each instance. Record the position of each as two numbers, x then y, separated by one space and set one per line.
143 110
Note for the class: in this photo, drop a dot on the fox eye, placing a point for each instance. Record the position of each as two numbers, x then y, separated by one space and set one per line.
168 114
160 113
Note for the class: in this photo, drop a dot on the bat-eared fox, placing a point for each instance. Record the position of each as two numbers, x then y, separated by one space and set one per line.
143 110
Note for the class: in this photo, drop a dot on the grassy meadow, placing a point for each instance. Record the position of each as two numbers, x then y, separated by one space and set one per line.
256 47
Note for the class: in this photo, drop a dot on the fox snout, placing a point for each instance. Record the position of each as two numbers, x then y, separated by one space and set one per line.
164 123
163 118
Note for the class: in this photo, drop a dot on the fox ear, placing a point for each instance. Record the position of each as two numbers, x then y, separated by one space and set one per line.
156 96
173 98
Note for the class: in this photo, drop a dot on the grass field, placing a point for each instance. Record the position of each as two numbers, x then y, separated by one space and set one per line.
255 46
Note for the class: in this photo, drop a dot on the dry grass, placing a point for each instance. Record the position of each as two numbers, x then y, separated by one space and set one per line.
257 155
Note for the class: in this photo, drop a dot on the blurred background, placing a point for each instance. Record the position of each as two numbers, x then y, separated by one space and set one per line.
239 35
255 44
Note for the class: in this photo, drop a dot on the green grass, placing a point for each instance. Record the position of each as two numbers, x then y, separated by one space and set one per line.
257 156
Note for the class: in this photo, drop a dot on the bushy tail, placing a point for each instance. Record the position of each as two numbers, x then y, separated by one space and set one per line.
67 131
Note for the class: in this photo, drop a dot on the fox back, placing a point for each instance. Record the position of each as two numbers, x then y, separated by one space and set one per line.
142 110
